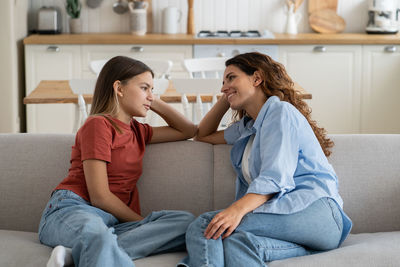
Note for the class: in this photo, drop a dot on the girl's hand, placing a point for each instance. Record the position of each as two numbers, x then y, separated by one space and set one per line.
225 221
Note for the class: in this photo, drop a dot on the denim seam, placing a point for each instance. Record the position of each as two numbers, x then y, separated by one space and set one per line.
334 215
205 246
279 248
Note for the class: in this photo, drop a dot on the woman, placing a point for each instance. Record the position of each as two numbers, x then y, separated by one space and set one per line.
95 209
287 201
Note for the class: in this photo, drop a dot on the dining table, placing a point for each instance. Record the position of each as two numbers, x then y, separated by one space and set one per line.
59 91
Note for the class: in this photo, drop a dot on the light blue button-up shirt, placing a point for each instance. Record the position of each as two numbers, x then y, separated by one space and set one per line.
286 159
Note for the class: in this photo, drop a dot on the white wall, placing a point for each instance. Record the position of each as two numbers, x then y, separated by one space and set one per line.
13 21
212 15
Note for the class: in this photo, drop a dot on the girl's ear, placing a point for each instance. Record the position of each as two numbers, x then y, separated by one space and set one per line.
257 80
117 88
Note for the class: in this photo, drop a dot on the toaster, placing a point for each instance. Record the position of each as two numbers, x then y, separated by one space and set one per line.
49 20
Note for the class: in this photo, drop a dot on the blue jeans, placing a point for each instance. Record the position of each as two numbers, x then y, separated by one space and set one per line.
98 239
264 237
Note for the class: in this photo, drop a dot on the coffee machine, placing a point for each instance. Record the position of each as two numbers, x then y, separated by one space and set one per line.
383 17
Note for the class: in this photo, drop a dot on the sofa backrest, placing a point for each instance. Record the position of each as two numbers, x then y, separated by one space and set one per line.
31 166
368 168
177 176
197 177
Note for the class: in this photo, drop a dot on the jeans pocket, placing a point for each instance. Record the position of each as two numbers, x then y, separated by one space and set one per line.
51 206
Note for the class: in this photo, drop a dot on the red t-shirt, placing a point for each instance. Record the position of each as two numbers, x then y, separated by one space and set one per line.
123 153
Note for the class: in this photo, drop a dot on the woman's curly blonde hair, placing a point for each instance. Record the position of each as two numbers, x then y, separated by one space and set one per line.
276 82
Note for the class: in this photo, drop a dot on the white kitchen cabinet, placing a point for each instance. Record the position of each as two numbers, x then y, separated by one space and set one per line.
175 53
332 74
51 62
381 89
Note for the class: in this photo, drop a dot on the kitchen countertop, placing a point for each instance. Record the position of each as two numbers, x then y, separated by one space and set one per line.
297 39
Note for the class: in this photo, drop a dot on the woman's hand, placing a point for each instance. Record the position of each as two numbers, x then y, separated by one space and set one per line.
208 126
229 219
225 221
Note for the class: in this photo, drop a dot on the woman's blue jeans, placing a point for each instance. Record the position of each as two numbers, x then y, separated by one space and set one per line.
264 237
98 239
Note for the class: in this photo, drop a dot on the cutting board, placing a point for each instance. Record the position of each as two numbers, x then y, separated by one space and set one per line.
326 21
314 5
149 17
190 22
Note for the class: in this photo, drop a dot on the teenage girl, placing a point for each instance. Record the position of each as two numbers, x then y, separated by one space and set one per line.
287 200
95 210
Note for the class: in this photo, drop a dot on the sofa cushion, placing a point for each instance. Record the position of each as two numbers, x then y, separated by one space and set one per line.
31 166
22 249
224 177
358 250
368 167
167 260
177 176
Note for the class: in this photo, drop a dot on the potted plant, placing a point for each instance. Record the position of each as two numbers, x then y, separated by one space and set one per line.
73 8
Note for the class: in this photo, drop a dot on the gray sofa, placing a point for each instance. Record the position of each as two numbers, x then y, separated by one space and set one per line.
198 177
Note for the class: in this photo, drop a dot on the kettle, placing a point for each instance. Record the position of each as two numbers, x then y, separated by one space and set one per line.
171 17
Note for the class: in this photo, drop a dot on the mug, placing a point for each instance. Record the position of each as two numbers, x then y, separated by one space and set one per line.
171 17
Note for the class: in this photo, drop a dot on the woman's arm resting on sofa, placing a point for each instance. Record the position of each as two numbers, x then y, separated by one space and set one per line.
209 124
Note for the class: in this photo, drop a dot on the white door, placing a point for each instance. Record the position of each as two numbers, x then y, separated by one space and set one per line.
48 62
381 89
332 74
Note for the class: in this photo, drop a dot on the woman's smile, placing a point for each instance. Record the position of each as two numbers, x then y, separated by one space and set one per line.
230 95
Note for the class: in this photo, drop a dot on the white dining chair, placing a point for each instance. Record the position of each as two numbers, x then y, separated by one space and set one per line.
161 68
81 87
203 68
207 67
198 87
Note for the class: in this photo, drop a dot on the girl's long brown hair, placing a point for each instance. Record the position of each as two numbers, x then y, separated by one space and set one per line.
119 68
276 82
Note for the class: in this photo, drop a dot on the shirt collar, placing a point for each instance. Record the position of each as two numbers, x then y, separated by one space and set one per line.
263 111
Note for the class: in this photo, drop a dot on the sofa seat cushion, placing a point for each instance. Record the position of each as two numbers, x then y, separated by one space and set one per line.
22 249
358 250
369 249
167 260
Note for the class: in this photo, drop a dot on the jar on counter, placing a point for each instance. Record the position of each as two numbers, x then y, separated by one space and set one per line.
138 17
